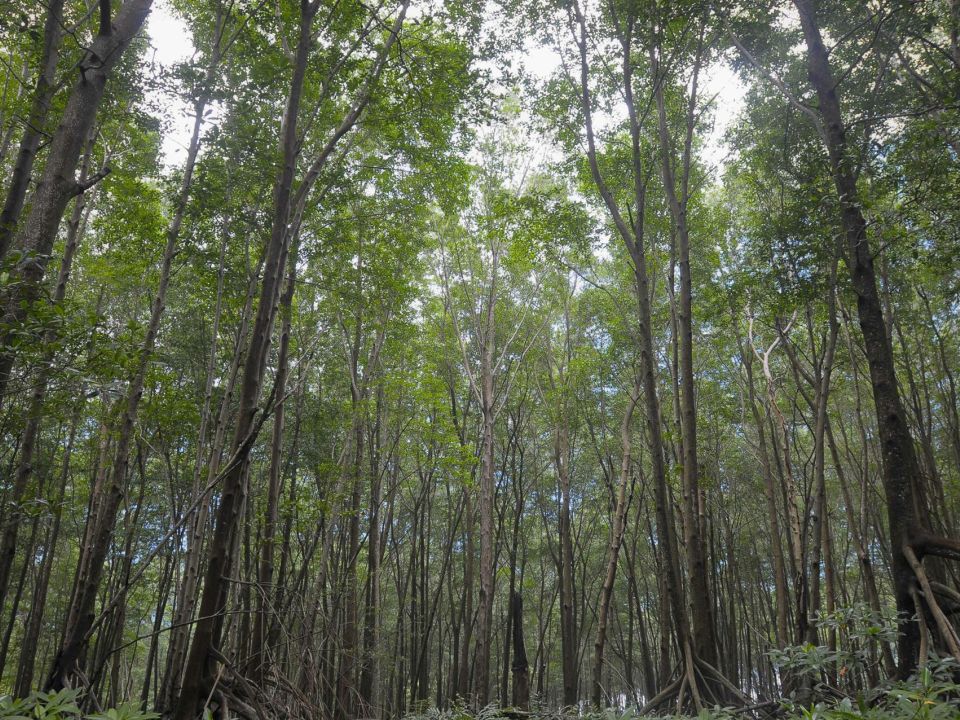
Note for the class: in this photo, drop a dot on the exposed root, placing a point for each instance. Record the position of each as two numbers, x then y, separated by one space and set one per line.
922 621
661 697
683 686
947 632
948 598
718 676
692 679
239 707
698 684
928 544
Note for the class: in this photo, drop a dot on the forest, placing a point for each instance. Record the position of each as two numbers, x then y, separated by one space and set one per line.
381 359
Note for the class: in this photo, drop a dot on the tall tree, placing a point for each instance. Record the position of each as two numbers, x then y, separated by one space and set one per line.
909 539
58 182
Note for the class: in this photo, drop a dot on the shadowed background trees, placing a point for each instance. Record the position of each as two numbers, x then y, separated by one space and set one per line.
426 374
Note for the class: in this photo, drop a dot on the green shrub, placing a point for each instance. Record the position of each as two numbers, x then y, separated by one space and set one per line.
931 695
64 705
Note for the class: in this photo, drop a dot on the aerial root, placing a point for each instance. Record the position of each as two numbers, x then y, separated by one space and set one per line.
922 621
230 703
237 691
661 697
948 598
684 679
944 626
928 544
691 679
718 676
697 684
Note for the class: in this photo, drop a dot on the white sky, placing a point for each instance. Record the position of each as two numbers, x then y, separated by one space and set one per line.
173 43
724 83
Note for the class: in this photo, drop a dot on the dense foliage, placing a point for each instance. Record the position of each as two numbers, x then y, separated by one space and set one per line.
425 359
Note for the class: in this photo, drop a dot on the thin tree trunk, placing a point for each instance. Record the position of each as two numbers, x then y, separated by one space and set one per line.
485 609
781 591
199 671
33 132
613 548
678 195
257 659
633 238
568 618
166 577
91 562
187 591
24 470
370 671
58 183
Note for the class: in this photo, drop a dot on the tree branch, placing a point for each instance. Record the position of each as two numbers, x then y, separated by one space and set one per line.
82 187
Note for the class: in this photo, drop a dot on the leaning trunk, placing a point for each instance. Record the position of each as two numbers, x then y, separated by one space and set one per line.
201 659
899 461
613 549
33 132
58 183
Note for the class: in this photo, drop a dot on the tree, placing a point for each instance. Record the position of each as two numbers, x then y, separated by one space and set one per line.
58 183
470 371
906 528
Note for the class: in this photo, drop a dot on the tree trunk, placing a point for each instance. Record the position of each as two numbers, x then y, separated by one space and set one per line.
258 660
31 634
186 593
521 668
33 132
678 195
487 550
199 671
463 676
31 433
91 562
58 184
613 549
350 478
370 671
781 591
568 620
899 461
633 237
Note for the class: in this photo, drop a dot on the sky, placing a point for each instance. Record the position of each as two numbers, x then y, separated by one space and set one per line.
723 83
172 43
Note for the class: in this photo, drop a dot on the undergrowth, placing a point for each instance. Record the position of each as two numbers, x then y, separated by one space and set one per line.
64 705
931 695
